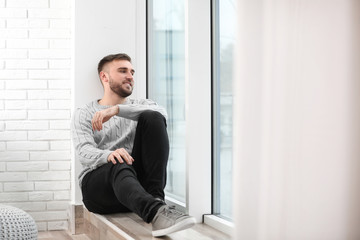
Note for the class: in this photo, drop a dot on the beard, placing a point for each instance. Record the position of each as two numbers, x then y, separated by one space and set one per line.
120 89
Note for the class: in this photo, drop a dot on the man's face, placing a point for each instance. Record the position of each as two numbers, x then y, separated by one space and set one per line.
120 75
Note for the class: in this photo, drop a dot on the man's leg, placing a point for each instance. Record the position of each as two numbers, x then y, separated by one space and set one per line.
115 188
151 152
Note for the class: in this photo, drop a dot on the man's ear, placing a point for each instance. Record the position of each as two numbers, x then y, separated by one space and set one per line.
104 77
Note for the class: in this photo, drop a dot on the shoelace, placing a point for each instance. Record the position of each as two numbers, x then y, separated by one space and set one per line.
173 213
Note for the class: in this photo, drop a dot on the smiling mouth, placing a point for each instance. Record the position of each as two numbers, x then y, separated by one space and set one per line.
129 85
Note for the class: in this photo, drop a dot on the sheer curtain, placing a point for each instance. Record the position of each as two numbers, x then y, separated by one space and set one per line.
296 120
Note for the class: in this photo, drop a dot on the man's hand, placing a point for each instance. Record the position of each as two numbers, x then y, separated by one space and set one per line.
121 155
102 116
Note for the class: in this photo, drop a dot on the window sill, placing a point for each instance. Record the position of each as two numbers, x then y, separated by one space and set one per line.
180 206
219 224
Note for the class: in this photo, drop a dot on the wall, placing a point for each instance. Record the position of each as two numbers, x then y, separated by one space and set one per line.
102 28
297 114
35 94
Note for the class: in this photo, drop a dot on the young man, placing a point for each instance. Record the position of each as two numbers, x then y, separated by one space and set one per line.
123 147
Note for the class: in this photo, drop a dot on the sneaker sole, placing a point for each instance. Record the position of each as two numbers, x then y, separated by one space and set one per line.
186 223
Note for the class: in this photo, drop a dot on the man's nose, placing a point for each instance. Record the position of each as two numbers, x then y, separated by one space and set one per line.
129 76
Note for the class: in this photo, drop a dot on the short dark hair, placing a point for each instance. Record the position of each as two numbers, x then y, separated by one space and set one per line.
112 57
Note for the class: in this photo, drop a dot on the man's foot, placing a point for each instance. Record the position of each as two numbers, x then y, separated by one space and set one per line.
167 220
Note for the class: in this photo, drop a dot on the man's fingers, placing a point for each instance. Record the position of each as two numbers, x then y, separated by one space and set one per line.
96 122
103 116
112 159
118 157
128 161
99 123
125 155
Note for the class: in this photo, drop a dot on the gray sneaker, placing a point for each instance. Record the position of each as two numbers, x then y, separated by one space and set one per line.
167 220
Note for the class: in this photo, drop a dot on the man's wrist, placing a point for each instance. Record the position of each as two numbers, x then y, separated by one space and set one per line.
116 110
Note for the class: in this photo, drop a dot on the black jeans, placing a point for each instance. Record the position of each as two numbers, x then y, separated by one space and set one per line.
114 188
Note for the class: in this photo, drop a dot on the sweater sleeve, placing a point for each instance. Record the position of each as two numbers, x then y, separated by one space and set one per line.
83 138
132 111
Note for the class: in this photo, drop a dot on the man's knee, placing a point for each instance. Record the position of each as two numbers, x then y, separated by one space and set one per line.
152 116
122 169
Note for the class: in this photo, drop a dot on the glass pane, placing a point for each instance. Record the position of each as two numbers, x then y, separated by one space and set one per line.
224 39
166 82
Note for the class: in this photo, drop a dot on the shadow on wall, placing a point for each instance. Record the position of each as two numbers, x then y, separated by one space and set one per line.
354 149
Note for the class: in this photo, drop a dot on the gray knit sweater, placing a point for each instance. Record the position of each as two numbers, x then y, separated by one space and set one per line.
92 148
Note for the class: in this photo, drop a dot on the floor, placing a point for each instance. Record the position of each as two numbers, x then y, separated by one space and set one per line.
60 235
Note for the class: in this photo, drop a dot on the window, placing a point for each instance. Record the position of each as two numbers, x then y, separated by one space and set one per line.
223 48
166 82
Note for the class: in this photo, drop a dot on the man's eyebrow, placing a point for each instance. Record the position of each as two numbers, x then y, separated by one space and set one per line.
125 68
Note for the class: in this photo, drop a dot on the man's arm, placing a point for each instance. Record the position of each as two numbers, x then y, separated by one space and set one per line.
131 111
83 138
85 146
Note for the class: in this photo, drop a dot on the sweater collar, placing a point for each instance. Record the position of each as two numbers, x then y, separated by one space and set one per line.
99 106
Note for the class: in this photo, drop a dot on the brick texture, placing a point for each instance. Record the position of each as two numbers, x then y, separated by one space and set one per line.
35 98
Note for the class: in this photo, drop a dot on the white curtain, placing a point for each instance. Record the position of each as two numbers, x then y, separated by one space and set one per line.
297 118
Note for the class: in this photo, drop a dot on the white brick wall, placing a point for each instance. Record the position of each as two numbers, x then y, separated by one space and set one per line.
35 92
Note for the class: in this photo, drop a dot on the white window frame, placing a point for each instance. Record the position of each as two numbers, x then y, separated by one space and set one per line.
220 224
198 114
198 107
198 104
